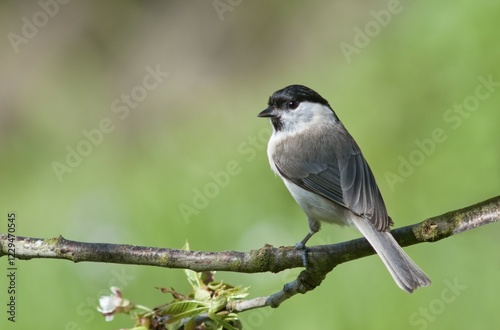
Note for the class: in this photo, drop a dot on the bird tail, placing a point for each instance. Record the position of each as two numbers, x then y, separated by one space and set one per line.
404 271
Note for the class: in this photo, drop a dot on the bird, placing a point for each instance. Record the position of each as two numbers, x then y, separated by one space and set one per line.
324 170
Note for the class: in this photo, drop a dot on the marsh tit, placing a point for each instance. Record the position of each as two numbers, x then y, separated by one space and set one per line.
327 175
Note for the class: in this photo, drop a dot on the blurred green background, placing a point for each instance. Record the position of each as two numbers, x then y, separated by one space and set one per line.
392 71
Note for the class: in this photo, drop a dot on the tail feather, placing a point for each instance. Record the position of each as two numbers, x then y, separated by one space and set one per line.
404 271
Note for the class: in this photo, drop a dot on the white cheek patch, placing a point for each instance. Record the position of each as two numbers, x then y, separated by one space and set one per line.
304 117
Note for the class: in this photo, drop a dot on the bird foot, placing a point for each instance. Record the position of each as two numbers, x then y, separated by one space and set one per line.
302 247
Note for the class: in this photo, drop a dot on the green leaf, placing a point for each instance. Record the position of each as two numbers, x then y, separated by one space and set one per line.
221 321
236 293
193 277
201 294
178 307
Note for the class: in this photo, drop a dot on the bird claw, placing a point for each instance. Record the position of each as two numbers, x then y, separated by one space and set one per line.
302 247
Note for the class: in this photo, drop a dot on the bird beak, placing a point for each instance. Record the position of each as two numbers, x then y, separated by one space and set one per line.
267 113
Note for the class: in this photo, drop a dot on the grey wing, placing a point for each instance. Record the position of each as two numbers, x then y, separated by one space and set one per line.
347 181
361 193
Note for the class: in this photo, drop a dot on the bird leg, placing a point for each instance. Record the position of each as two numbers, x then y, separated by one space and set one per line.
302 246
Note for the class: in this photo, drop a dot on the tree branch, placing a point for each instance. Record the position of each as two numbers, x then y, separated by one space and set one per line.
322 259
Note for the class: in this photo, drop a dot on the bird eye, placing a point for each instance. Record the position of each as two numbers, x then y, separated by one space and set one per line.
293 105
